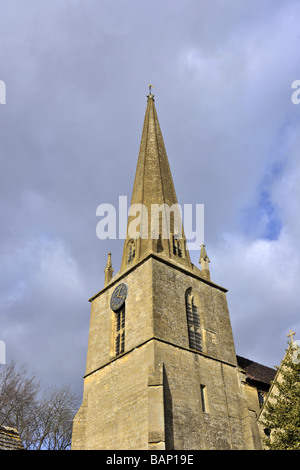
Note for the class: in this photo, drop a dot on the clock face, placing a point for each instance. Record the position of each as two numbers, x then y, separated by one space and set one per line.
118 297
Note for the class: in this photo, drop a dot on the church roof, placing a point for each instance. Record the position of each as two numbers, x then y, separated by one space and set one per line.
255 371
10 439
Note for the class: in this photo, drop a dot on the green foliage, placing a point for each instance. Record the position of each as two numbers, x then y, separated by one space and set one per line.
282 410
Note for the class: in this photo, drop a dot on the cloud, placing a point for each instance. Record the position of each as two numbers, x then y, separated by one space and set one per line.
41 290
262 277
263 274
76 77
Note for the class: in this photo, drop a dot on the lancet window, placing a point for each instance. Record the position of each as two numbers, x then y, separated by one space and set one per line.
120 330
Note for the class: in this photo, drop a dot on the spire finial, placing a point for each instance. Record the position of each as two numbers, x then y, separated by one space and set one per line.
150 92
150 87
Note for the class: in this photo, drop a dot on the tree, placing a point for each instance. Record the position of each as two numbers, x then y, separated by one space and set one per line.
53 419
18 394
44 420
281 413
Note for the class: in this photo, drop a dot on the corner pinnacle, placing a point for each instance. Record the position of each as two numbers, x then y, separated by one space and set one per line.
204 261
108 271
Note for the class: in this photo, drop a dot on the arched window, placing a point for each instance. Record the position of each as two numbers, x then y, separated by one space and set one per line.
193 321
130 250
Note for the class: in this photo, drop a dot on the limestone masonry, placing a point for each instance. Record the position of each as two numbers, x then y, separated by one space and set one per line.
162 371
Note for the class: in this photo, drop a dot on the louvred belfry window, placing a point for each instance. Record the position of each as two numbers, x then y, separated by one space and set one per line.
130 250
193 321
178 247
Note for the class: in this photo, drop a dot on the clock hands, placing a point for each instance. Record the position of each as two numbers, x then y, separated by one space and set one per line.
122 295
118 297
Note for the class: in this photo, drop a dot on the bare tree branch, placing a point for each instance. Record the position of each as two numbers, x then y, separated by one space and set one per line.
44 421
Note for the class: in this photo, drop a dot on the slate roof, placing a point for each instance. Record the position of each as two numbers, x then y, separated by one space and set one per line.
10 439
255 371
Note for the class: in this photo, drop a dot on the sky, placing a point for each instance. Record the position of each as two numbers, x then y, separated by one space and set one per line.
76 74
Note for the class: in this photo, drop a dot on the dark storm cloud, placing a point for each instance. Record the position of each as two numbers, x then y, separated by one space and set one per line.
76 74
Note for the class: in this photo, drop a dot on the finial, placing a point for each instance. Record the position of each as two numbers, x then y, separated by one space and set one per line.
291 335
204 260
150 86
108 271
108 264
150 91
203 254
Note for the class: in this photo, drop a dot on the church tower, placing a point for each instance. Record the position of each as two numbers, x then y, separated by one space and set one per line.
161 368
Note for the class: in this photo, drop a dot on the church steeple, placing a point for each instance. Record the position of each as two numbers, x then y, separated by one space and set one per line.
154 207
161 369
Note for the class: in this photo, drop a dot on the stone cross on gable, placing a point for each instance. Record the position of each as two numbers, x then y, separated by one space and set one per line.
290 335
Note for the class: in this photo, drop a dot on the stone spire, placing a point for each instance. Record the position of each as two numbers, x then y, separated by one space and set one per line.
108 271
204 261
154 201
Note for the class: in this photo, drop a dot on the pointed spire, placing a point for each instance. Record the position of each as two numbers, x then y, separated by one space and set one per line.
204 261
108 271
154 208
